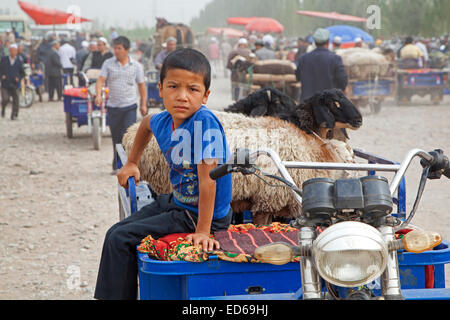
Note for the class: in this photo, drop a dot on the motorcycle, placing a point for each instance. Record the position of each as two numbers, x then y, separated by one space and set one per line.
26 91
347 228
96 115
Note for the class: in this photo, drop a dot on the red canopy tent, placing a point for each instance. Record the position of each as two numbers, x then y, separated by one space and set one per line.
332 16
242 21
265 25
229 32
46 16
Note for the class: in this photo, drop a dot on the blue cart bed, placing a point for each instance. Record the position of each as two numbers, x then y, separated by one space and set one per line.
218 279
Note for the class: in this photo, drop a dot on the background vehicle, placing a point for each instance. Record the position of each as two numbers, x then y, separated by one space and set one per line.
19 23
79 106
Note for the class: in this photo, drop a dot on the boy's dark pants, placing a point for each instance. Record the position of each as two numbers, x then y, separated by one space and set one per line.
120 119
118 271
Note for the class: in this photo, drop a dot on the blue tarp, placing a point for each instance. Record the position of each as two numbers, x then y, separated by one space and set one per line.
347 33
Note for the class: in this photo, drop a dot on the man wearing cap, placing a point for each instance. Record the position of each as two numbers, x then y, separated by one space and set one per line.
243 51
97 57
53 70
82 54
320 69
358 42
337 43
266 52
171 45
11 72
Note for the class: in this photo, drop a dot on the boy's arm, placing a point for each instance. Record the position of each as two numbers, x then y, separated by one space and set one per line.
207 195
130 169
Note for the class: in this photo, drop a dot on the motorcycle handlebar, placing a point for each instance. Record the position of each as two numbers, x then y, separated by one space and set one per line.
439 165
220 171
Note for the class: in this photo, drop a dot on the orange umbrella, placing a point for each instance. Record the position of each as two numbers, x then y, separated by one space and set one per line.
229 32
46 16
243 21
332 16
265 25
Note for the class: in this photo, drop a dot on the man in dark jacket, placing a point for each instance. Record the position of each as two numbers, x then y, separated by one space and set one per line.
11 72
320 69
53 70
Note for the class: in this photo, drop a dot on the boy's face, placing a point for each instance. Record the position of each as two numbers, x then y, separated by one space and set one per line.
183 93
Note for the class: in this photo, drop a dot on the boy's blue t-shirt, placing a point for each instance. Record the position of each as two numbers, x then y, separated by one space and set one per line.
198 138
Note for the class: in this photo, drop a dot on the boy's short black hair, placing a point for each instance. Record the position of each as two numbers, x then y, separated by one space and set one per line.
190 60
123 41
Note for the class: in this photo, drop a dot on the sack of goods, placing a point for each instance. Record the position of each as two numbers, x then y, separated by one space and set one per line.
439 60
272 70
364 64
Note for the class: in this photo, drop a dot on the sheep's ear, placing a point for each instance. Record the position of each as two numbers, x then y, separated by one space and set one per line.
259 111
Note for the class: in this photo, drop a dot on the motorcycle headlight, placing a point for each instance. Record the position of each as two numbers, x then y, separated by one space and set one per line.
350 254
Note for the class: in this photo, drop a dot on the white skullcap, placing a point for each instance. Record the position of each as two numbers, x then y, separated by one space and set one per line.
268 39
102 39
337 40
242 41
357 40
13 46
84 44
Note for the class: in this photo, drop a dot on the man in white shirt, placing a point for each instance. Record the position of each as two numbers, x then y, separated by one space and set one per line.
424 50
67 53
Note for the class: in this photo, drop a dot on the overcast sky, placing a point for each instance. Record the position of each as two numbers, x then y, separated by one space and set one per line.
122 13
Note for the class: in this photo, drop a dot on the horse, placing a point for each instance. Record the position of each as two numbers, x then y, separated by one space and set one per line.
179 31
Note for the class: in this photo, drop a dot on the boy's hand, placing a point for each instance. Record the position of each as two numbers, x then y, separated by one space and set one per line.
128 170
203 239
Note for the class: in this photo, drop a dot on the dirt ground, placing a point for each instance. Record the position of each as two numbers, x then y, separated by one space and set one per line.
57 197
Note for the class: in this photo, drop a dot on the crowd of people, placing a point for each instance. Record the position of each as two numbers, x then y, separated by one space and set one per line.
55 59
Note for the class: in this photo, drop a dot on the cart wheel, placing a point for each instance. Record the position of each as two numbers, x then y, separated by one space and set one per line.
26 100
39 92
375 107
436 97
69 129
96 133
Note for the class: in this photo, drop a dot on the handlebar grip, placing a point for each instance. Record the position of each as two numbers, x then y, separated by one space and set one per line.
447 173
439 165
220 171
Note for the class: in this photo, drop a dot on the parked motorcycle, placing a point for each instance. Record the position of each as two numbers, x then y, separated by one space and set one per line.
347 227
26 91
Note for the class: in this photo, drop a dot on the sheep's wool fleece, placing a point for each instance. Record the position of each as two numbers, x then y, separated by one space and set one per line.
288 141
363 63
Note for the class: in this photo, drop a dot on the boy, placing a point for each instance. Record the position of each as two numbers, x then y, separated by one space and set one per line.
198 205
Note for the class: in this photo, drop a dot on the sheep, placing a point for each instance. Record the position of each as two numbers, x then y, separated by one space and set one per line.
250 193
327 113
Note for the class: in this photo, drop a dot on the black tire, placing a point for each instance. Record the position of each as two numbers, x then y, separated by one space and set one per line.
27 100
436 97
375 107
69 127
96 133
